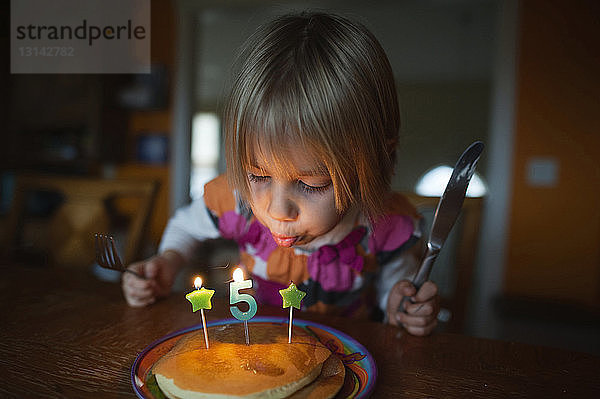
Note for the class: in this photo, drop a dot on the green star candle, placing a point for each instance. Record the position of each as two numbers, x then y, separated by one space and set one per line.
200 300
292 297
235 286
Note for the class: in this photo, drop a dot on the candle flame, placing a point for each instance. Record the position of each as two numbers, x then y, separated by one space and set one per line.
238 275
198 283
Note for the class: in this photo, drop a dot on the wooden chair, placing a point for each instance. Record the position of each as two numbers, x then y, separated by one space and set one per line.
56 217
455 266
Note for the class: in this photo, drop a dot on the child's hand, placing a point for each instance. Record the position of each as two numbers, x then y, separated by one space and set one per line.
421 313
160 272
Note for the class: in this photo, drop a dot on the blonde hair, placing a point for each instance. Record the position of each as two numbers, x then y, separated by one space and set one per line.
324 83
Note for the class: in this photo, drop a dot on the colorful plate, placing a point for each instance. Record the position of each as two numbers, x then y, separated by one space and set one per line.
361 371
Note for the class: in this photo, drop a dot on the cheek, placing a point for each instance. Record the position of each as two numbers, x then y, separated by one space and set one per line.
258 199
324 213
257 191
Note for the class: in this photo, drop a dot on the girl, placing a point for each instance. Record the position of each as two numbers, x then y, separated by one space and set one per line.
311 128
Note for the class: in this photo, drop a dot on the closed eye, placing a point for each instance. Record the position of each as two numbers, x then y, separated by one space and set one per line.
257 178
313 189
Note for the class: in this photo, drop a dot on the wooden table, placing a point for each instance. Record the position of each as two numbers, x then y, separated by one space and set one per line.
65 334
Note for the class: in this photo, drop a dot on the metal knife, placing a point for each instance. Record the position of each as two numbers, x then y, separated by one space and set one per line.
447 211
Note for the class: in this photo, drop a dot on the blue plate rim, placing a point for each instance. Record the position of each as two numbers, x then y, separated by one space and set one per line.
371 370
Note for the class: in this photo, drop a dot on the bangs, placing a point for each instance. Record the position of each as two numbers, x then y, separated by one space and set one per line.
276 125
269 130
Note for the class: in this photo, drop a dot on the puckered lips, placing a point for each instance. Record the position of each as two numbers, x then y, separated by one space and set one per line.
283 240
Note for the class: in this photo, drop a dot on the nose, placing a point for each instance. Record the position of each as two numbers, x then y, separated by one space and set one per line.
282 206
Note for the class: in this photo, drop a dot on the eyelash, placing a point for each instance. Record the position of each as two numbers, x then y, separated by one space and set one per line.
312 189
256 178
303 186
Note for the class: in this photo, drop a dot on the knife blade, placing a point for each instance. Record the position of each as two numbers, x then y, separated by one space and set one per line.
447 211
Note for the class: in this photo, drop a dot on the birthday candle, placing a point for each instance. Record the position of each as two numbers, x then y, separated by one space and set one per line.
235 286
292 297
200 300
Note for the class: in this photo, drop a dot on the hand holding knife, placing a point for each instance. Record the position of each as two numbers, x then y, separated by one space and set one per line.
447 212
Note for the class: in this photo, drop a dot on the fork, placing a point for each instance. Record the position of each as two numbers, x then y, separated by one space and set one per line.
107 255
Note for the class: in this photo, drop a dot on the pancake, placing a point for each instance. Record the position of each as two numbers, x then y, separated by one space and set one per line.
269 367
327 384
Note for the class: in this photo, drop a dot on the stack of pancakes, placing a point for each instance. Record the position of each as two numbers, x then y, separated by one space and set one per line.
269 367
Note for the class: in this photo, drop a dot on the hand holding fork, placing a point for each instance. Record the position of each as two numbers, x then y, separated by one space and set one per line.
107 255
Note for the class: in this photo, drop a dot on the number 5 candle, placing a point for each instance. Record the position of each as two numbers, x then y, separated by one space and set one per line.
235 286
